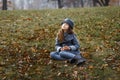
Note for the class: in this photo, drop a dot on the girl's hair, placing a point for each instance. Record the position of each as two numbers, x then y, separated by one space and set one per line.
60 34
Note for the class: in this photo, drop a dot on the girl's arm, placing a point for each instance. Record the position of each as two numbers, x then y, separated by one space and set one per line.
57 45
75 45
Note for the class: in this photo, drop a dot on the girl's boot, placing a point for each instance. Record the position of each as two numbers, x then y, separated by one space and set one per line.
80 60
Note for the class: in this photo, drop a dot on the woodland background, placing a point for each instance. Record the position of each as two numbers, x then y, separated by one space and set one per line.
54 4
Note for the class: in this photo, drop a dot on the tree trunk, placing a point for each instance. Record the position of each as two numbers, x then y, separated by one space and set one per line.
97 1
4 7
82 3
101 2
59 4
107 2
94 2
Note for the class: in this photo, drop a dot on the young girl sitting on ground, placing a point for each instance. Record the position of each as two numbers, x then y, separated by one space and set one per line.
67 46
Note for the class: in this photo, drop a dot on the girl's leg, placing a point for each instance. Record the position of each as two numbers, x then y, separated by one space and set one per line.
67 55
73 57
56 56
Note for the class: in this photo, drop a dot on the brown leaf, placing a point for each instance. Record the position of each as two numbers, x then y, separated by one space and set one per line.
86 55
33 49
91 67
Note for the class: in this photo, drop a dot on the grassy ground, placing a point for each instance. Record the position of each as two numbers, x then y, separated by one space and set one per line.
27 38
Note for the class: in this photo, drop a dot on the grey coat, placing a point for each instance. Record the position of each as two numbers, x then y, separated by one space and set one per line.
71 41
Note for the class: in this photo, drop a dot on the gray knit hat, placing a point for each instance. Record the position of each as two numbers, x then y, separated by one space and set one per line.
69 22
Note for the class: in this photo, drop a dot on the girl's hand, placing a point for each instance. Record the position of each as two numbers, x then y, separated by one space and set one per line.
65 48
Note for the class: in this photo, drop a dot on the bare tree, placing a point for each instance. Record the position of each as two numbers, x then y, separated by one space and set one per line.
4 6
60 4
95 2
101 2
105 2
82 3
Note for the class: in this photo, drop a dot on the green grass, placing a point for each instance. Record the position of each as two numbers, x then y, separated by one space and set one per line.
27 38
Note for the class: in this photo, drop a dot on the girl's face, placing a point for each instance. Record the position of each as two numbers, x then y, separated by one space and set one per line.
65 26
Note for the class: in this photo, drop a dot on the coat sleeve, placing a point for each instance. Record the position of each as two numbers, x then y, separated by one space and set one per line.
75 45
57 45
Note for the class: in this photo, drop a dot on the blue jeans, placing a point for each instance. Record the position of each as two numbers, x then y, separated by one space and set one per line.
63 55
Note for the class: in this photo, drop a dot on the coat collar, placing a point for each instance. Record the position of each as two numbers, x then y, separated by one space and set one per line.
68 37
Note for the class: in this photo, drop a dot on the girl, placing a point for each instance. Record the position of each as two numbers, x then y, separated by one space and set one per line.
67 46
